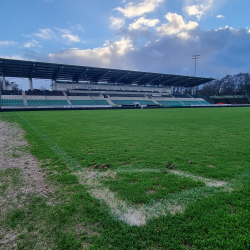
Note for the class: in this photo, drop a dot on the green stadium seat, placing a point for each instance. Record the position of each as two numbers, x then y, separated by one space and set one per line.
170 103
12 102
189 103
83 102
205 102
37 102
101 102
57 102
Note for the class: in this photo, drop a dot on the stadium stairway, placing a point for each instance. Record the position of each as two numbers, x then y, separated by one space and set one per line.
168 101
24 98
177 99
155 101
67 98
110 101
98 100
201 100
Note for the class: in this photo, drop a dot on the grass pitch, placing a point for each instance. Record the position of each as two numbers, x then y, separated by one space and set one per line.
143 148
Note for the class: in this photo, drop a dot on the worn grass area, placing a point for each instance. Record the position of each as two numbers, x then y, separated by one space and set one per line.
210 143
145 187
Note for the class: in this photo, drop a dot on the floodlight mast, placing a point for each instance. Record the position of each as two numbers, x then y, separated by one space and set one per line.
0 94
195 58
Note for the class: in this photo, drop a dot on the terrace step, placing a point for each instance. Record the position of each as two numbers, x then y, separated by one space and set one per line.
67 98
24 98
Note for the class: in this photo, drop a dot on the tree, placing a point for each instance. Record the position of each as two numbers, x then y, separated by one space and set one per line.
238 84
8 83
43 88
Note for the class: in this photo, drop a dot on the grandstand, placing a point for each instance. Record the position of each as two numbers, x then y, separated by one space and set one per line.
94 99
90 87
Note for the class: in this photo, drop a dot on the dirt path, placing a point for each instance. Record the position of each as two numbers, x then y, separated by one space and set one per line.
20 174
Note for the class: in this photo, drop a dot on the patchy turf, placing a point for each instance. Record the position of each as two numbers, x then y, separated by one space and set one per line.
211 144
145 187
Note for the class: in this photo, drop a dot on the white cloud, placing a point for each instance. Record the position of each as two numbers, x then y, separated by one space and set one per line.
219 50
220 16
71 38
131 10
176 25
103 56
116 23
17 57
7 43
200 7
32 43
57 33
46 34
142 21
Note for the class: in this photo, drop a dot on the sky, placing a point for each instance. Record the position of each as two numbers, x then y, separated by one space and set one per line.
148 35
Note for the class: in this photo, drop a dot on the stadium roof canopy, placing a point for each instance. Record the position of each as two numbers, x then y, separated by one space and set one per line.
64 72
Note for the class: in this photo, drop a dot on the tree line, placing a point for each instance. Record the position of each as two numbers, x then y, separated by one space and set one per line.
238 84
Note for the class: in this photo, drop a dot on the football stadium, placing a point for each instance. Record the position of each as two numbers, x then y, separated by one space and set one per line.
89 87
115 159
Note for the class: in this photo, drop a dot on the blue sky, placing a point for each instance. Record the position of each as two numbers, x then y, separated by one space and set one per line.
147 35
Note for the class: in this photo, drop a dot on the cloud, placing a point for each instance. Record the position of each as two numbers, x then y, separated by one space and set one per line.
17 57
131 10
220 16
201 7
58 33
222 51
46 34
66 34
71 38
103 56
142 21
7 43
116 23
176 25
32 43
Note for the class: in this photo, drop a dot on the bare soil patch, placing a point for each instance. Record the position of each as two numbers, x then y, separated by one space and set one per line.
20 175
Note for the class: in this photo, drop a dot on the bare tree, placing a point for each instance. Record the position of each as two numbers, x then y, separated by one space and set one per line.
43 88
8 83
238 84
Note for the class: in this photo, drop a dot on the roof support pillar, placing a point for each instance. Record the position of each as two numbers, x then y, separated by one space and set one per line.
4 82
3 77
182 90
31 84
54 85
194 90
